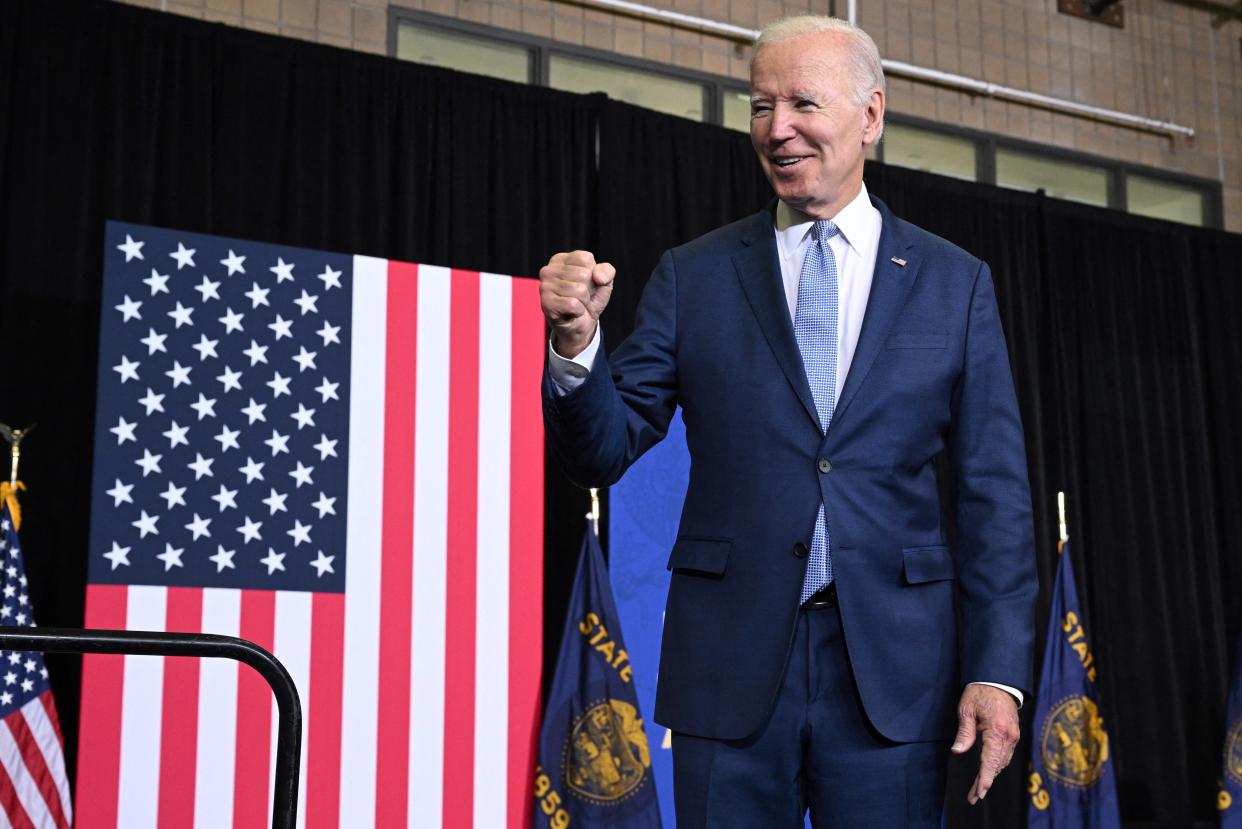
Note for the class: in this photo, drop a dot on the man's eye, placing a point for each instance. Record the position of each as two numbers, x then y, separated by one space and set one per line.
805 104
759 109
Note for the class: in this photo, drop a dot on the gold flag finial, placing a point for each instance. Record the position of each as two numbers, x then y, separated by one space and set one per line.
14 437
1061 518
594 513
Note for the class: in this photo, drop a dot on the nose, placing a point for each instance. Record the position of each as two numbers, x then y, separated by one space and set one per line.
781 126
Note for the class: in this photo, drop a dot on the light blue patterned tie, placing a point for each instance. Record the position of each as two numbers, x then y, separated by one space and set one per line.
815 329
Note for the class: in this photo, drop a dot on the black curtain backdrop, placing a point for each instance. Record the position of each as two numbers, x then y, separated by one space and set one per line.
1121 330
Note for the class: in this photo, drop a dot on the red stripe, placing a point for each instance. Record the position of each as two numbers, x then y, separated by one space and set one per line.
462 543
36 765
99 738
49 705
323 746
13 808
179 726
525 548
396 568
253 770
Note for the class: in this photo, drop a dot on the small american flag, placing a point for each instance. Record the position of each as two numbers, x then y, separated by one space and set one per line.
34 791
339 458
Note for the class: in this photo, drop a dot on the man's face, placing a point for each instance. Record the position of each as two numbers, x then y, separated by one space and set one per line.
810 134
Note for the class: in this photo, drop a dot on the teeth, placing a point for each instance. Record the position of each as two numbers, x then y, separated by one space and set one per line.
787 162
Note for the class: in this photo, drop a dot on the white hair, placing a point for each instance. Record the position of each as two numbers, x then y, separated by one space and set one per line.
863 58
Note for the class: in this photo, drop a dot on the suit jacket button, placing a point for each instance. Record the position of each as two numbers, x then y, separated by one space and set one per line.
800 550
824 466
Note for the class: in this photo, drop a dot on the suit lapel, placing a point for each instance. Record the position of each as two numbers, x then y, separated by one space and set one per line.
758 269
890 285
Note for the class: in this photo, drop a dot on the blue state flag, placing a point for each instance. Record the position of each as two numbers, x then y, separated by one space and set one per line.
1230 798
1072 782
594 757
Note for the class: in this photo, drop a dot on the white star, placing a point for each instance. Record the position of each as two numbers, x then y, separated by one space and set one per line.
129 309
250 530
27 685
304 416
231 321
171 557
328 390
10 678
323 564
234 263
258 296
302 474
120 493
179 374
257 353
331 279
30 663
254 411
230 379
158 282
154 342
118 555
182 315
205 347
300 533
176 434
281 327
6 698
184 256
209 289
201 466
223 558
228 438
226 498
199 527
283 271
276 502
278 442
305 359
307 303
174 495
131 249
149 463
329 333
152 402
252 470
273 560
204 407
127 369
325 505
279 385
146 525
124 431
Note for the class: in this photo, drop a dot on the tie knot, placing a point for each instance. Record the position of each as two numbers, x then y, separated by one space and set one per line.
824 230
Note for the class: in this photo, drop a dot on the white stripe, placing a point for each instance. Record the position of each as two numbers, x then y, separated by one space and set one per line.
491 662
28 794
142 701
217 715
4 820
291 645
363 542
40 726
431 419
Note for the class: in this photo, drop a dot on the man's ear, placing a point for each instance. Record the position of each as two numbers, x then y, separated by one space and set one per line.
873 117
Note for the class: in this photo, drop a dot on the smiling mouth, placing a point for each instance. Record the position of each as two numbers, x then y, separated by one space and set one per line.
786 162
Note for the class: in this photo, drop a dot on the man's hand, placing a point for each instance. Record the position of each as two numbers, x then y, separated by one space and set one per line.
573 291
994 714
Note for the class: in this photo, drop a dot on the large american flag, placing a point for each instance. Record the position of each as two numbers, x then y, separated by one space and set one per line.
34 790
339 458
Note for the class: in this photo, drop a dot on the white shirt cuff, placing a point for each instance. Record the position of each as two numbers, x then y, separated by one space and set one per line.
569 373
1014 691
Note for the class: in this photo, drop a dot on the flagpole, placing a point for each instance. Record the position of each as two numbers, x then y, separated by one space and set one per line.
1061 515
594 513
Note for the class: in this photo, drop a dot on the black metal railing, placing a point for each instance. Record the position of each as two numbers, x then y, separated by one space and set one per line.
201 645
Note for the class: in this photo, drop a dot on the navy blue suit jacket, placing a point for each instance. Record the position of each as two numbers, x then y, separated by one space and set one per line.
930 373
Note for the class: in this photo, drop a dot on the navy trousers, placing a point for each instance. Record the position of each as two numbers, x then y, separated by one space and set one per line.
817 751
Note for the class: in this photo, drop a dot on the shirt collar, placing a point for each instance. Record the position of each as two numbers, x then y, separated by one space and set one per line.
792 225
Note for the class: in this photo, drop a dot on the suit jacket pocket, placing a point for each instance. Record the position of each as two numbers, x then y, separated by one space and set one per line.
924 564
701 555
916 341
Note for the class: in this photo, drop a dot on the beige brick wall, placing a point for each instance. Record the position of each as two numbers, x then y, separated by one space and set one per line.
1158 66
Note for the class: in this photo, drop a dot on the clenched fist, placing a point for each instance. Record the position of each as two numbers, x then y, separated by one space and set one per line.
573 291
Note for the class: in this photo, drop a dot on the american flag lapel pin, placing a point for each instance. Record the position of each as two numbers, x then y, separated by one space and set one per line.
899 261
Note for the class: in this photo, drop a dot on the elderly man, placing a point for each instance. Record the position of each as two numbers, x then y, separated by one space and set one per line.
821 639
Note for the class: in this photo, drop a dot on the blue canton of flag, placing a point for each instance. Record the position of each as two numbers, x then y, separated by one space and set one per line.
595 760
1071 782
220 445
22 675
1230 798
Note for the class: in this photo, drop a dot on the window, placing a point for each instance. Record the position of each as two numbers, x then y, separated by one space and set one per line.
928 150
465 53
736 110
634 86
1164 200
1057 177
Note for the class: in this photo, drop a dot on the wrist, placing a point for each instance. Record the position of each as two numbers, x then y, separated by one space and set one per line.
570 344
